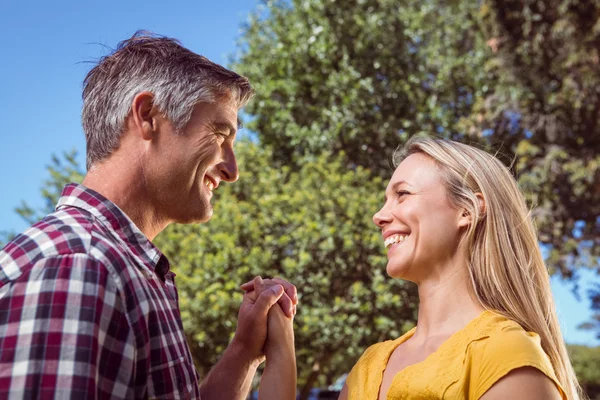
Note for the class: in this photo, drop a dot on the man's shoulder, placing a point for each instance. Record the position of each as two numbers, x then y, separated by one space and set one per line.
65 232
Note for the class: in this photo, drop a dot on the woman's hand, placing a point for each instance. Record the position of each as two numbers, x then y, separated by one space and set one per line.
280 335
279 377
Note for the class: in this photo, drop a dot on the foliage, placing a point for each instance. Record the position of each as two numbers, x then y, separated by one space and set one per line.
312 226
360 76
586 361
594 323
546 108
62 170
5 237
519 77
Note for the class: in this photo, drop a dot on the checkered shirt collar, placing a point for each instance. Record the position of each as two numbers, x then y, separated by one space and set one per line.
114 219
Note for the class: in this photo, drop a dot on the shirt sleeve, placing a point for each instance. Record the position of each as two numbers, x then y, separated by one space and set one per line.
64 333
502 353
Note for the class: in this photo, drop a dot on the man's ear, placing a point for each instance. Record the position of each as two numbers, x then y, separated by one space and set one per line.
466 218
144 115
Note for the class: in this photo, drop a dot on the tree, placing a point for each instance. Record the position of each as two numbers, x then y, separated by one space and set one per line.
360 76
594 323
586 361
521 77
546 108
62 170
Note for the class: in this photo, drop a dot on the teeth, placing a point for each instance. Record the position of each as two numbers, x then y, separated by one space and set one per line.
209 184
394 239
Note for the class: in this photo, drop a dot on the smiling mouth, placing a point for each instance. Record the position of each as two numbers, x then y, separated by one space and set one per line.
394 239
209 184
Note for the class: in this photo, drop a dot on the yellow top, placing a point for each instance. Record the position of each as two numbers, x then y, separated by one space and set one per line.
464 367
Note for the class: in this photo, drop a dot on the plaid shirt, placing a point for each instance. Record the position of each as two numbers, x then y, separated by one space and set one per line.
89 309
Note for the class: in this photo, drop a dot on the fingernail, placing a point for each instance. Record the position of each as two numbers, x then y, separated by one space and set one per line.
277 289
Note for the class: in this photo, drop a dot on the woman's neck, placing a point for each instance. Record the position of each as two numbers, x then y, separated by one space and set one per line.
446 304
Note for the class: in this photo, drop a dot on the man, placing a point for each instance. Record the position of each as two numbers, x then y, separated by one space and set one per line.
88 305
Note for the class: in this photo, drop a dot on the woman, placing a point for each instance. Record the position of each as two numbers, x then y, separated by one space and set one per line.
455 223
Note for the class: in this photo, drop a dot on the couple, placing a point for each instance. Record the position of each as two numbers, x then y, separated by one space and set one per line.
89 307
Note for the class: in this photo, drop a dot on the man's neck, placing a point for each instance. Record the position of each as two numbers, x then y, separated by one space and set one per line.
123 184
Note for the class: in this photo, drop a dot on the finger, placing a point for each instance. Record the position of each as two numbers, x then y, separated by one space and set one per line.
248 285
259 285
285 301
286 304
267 299
290 289
251 296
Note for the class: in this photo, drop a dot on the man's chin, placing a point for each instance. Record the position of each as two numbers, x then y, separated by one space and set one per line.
195 218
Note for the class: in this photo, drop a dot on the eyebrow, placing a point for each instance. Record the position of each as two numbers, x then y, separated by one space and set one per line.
226 126
395 187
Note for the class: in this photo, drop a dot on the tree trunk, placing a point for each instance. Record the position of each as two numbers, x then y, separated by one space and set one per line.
314 374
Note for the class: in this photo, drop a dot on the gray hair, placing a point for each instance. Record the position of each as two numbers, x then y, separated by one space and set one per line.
178 78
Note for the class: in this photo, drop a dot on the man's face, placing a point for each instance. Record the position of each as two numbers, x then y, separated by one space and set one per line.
189 165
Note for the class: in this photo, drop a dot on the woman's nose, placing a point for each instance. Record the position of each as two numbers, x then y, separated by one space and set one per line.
382 217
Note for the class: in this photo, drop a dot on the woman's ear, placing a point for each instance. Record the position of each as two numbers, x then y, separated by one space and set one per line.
482 205
466 218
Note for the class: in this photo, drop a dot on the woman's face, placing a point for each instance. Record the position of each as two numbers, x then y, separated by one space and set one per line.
420 228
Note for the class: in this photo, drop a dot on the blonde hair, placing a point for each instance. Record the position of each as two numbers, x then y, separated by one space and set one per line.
506 267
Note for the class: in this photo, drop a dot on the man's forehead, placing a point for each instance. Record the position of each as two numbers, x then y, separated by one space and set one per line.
226 113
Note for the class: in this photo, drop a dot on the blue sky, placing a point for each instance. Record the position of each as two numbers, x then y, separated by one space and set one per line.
44 49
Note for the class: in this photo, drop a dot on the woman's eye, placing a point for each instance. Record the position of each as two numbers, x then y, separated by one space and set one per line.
401 193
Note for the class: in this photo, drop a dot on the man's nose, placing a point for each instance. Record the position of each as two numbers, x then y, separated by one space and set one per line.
228 168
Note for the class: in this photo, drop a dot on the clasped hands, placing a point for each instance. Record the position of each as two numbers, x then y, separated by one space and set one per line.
265 330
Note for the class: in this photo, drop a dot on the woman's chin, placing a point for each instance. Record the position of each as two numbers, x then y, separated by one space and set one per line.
397 271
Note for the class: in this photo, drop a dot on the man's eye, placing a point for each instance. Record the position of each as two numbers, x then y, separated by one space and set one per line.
223 135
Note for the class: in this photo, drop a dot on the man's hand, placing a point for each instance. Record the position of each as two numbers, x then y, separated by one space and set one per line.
287 303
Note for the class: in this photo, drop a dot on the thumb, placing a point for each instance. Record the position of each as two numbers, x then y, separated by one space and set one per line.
267 299
258 284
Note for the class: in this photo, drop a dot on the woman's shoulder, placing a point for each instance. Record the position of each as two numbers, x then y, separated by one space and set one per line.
504 346
504 340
